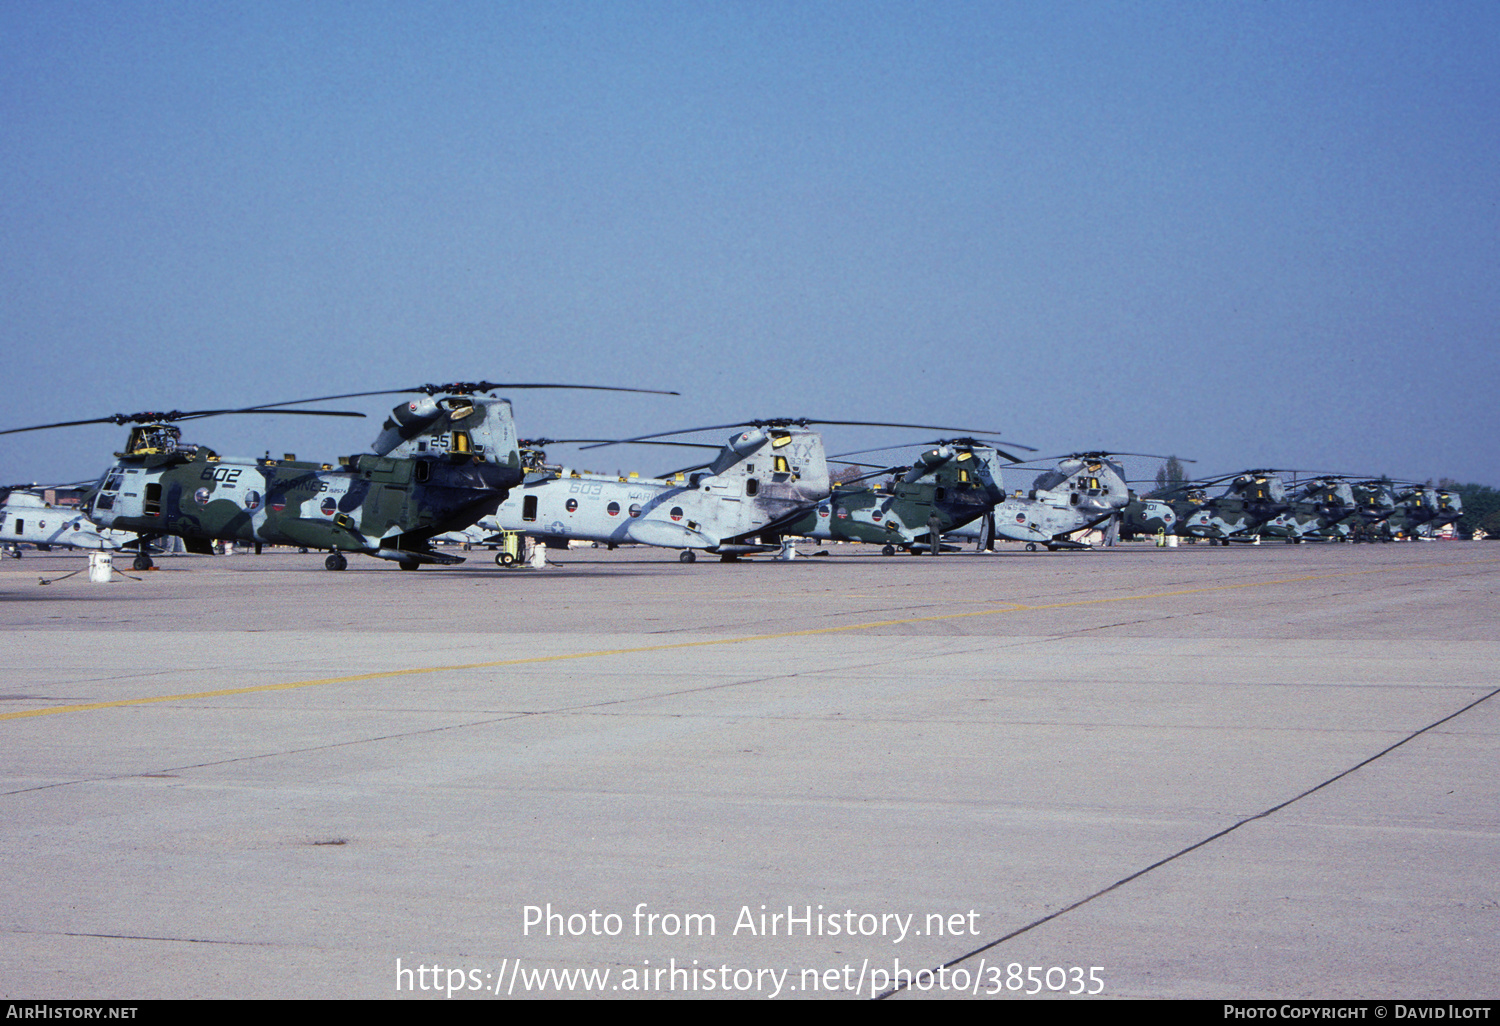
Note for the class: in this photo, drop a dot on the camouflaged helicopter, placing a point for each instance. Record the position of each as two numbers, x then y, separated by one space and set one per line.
1252 499
1393 510
1449 507
1322 509
1148 516
944 489
439 463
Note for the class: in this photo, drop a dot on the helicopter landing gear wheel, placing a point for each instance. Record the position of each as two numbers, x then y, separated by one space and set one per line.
889 550
1031 546
408 566
687 556
504 559
335 562
142 562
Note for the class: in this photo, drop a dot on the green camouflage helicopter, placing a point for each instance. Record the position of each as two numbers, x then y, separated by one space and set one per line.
1252 499
439 463
1403 509
1322 509
945 488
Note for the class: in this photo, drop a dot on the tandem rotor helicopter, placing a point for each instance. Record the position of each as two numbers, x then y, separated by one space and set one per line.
755 493
440 463
943 489
26 517
1084 491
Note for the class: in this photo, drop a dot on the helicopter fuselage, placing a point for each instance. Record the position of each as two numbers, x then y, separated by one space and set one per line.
759 481
377 505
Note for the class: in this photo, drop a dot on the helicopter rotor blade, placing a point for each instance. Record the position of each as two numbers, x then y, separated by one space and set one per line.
536 443
468 388
171 416
808 422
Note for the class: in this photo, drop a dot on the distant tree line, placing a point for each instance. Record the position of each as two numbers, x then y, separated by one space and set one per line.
1481 507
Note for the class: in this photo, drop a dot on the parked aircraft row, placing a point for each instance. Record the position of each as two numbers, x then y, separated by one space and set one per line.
451 461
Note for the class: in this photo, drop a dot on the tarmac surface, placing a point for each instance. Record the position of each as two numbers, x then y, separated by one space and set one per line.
1197 772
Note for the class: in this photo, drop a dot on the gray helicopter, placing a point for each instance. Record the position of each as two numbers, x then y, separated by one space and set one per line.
1084 491
746 500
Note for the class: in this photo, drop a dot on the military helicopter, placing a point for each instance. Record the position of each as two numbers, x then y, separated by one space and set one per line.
1083 491
439 463
1321 509
1252 499
945 488
1378 511
28 518
1450 507
746 500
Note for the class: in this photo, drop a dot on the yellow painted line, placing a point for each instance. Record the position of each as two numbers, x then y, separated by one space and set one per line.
1006 607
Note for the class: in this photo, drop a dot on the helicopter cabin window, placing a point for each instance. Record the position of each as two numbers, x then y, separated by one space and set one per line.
422 471
752 486
940 494
571 505
782 467
459 442
20 525
963 476
613 509
528 508
153 499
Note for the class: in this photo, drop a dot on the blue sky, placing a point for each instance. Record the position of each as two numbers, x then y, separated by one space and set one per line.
1257 234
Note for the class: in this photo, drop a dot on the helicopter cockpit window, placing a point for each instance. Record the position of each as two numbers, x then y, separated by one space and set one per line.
782 466
780 438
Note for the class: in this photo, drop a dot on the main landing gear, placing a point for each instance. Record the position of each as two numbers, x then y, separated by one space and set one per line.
336 562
